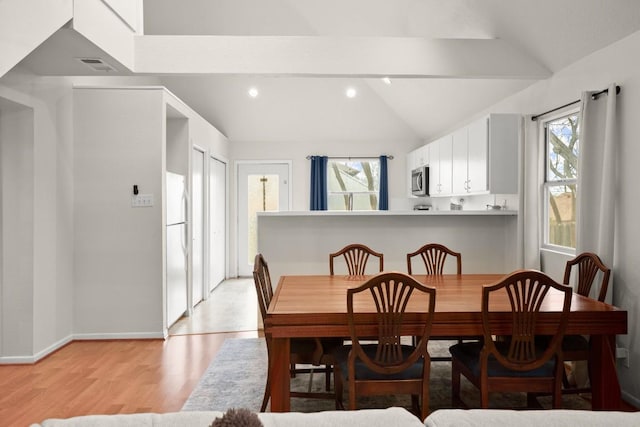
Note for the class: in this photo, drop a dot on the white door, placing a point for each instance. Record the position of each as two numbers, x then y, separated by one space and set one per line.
217 222
197 230
261 187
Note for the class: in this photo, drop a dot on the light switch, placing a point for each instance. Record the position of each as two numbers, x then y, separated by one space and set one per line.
142 201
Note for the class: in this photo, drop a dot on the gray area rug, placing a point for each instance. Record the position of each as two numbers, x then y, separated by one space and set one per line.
237 375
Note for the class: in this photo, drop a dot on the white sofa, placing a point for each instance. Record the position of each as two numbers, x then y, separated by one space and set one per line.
390 417
530 418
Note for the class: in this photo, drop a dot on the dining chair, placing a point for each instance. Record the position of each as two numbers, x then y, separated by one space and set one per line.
356 256
516 363
434 256
576 347
387 366
312 351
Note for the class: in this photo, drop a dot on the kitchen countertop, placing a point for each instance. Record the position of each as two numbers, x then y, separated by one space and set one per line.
394 213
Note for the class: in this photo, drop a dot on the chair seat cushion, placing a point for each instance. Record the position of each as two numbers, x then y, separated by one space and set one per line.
469 355
362 372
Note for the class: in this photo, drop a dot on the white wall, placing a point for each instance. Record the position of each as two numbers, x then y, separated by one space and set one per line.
617 63
119 141
37 178
118 279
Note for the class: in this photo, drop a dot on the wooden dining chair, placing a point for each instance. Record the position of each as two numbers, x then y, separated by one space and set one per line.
434 257
386 366
576 347
515 364
311 351
356 256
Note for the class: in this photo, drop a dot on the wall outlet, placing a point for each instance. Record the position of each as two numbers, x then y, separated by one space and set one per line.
142 201
623 353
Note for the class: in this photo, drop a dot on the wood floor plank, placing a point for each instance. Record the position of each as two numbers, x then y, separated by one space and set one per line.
108 377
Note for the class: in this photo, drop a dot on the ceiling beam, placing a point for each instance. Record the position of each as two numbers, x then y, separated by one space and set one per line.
335 57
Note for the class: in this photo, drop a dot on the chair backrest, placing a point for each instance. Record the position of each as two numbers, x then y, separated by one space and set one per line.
526 290
434 256
262 280
588 264
390 294
356 257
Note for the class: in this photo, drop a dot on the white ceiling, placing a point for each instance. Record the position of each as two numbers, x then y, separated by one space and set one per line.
554 33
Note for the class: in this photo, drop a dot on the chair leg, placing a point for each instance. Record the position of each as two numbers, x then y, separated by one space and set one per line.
352 394
415 404
292 370
337 379
455 382
267 394
327 377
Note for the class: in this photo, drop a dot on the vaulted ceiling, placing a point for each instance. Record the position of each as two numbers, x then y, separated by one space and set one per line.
549 34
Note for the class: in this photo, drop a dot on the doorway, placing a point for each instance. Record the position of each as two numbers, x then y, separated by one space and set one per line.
261 187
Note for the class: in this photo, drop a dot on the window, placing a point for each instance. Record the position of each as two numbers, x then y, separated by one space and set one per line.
562 143
353 184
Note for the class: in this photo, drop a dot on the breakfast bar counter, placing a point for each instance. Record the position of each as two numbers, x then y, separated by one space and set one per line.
299 242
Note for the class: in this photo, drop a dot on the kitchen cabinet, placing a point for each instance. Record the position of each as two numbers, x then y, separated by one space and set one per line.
469 151
482 158
440 166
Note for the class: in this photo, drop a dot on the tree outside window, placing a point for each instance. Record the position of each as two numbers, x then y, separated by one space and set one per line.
353 184
562 145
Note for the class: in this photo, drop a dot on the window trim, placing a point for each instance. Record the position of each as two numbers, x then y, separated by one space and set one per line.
546 184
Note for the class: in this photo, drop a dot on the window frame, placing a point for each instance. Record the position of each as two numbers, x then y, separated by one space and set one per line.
547 184
352 193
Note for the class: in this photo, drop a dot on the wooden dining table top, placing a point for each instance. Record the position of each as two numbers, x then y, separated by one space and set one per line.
306 302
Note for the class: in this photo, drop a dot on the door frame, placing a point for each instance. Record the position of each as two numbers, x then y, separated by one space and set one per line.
205 225
237 165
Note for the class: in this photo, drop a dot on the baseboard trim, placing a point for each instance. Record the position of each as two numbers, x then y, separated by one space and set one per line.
30 360
630 399
120 336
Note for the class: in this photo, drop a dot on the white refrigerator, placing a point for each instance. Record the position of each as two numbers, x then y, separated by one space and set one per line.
176 247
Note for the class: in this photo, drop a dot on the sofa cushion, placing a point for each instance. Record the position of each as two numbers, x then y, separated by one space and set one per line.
531 418
390 417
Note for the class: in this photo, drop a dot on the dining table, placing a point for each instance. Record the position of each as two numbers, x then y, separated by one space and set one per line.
305 306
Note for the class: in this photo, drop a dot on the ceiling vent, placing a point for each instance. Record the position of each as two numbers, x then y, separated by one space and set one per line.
96 64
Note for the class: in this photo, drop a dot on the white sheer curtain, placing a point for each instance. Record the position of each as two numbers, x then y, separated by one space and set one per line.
597 179
532 167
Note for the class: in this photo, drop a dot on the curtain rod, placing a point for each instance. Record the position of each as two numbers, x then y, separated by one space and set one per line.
593 96
353 157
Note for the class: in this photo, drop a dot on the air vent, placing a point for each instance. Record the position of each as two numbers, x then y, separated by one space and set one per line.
96 64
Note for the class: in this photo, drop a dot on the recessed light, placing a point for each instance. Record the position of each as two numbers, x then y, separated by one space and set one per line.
253 92
351 92
386 80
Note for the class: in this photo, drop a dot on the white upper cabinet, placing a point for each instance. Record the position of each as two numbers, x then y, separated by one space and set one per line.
440 164
470 158
479 158
483 158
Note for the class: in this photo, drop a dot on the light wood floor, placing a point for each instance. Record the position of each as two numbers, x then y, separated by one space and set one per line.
109 377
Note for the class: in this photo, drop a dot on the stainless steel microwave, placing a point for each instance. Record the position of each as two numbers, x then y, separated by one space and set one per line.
420 181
